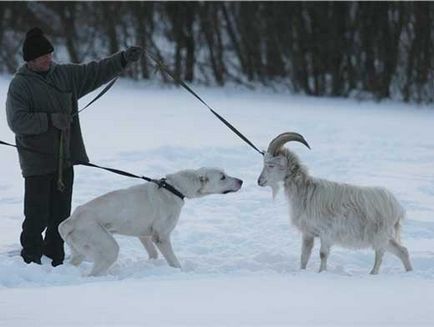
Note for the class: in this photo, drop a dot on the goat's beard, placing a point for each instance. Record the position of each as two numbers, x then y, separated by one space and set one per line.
275 189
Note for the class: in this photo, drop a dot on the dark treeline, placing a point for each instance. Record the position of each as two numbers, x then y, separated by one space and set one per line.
376 49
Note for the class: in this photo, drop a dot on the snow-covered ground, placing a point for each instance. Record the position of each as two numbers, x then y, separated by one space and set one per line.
239 253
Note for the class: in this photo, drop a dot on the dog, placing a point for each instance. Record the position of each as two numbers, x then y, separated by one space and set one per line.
147 211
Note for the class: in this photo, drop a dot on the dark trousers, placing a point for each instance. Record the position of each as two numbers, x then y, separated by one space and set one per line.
45 207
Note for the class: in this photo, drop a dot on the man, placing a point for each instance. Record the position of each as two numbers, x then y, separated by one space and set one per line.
41 105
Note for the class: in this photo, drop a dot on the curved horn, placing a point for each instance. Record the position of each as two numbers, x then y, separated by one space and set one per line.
280 140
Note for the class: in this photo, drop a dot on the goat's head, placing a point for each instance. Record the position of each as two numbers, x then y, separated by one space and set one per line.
276 164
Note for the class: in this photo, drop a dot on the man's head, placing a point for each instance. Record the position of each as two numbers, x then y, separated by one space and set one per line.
37 50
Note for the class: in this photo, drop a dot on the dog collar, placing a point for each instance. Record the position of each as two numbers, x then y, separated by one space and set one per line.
163 184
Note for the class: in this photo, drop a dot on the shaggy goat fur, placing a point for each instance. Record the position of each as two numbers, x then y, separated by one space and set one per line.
343 214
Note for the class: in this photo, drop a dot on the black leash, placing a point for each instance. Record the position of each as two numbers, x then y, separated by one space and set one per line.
160 182
27 149
163 68
100 94
160 66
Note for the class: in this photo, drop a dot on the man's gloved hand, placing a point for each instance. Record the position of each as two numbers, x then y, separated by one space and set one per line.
61 120
132 54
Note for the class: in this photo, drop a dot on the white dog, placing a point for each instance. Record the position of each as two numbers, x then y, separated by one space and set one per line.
147 211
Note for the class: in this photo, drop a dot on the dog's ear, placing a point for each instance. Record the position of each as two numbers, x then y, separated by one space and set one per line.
203 180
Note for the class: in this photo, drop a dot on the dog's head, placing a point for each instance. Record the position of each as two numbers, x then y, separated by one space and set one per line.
204 181
215 181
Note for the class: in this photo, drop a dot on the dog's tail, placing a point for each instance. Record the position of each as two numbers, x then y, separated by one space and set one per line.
66 228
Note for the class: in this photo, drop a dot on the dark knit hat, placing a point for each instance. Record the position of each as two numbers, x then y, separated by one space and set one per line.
36 44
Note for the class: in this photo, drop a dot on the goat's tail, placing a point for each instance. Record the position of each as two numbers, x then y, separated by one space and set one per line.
398 225
397 228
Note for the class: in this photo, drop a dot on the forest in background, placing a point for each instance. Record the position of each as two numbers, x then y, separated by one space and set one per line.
374 50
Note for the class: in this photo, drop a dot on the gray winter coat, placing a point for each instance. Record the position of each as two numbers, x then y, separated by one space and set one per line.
32 99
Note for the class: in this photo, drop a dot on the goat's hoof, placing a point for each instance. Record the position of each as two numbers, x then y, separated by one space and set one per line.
176 266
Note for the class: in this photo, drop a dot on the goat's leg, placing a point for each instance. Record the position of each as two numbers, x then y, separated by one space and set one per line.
378 260
149 246
165 247
306 250
401 252
324 254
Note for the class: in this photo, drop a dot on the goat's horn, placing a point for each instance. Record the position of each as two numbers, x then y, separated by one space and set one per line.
282 139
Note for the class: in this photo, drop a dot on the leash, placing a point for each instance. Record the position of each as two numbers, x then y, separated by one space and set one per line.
61 157
160 182
99 95
27 149
160 66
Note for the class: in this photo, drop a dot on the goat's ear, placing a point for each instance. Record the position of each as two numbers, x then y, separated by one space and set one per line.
282 161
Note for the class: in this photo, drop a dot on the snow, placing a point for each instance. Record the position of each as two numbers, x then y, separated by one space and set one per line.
240 255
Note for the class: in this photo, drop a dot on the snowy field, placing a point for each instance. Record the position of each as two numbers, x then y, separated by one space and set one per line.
239 253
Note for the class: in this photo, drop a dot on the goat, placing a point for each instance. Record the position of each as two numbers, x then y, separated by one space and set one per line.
343 214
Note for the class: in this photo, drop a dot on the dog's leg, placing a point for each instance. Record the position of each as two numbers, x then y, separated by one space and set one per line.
165 247
149 246
76 257
76 260
102 248
105 258
66 230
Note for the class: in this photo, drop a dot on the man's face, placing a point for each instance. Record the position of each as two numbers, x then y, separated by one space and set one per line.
42 63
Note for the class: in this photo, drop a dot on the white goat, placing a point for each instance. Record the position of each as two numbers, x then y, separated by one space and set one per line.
348 215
